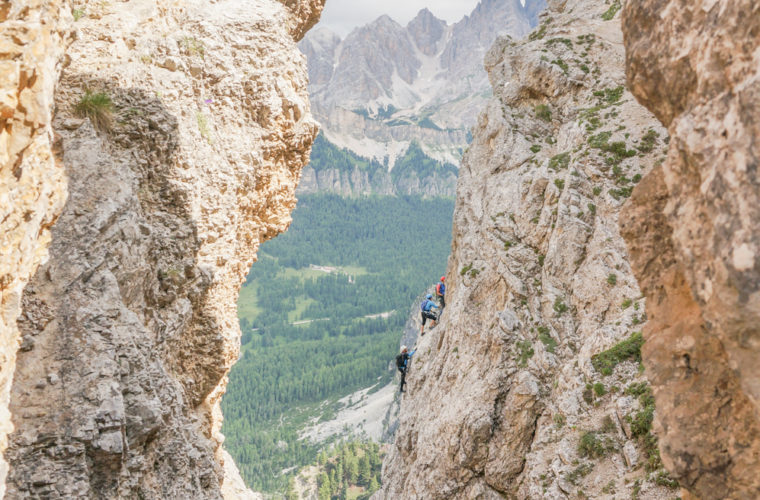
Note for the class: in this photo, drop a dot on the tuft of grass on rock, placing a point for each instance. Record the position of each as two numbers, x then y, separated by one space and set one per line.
599 389
559 161
610 13
526 352
663 479
543 112
539 33
648 141
559 306
579 472
546 339
559 420
98 107
594 445
628 349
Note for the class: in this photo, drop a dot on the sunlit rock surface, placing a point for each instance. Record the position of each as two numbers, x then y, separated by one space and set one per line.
692 228
504 399
129 330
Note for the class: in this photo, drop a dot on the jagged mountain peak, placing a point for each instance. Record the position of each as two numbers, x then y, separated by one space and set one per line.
426 30
425 15
381 22
387 84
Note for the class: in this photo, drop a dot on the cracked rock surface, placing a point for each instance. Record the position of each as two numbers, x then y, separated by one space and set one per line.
507 396
130 328
33 36
692 229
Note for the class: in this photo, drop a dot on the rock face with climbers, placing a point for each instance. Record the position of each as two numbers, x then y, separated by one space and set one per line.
692 228
531 385
182 129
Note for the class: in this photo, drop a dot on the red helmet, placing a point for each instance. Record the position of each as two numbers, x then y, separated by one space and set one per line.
443 278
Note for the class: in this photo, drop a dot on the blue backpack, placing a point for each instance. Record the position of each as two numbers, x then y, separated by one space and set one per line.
423 304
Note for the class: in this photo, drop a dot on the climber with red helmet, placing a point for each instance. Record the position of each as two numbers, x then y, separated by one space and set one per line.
440 292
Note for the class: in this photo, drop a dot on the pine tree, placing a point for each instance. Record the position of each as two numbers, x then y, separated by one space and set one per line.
334 478
325 491
373 485
291 494
339 473
353 471
365 470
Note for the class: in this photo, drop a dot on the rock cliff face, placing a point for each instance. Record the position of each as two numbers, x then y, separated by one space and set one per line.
340 171
530 387
386 84
32 185
692 229
358 182
182 129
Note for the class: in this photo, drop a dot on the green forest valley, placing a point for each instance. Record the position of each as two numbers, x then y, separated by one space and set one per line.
322 312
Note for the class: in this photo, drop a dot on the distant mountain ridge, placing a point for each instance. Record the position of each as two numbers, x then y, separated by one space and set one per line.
386 85
341 171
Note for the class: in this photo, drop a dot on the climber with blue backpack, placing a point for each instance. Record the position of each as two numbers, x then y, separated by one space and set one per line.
426 307
402 363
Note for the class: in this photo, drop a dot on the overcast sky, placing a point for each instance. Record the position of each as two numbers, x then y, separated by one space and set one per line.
342 16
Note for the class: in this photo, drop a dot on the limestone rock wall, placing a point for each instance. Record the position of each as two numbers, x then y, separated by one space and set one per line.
198 128
33 36
507 397
692 229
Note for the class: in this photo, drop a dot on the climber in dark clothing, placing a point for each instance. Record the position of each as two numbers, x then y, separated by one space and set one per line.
402 363
426 308
440 292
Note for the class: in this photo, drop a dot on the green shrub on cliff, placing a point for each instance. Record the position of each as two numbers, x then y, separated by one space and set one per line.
628 349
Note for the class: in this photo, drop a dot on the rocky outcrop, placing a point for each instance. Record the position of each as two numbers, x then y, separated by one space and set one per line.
33 36
183 130
386 85
692 228
530 387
